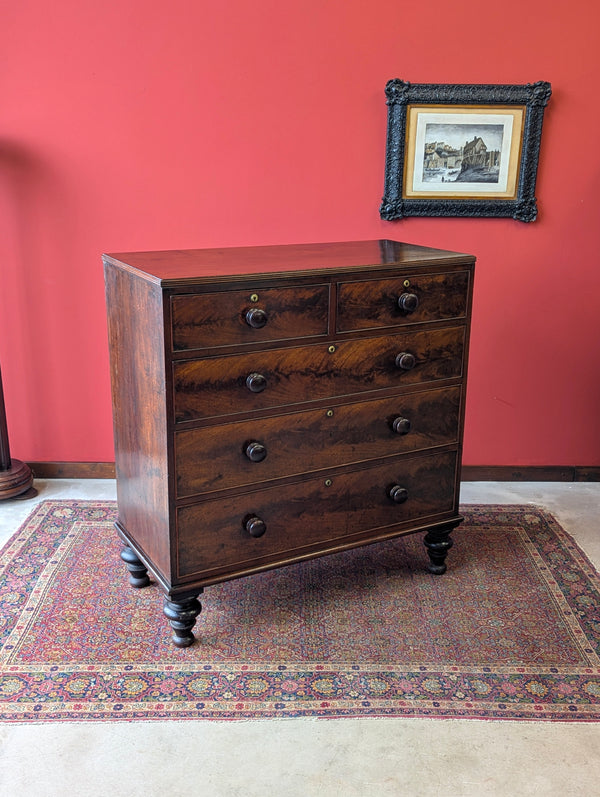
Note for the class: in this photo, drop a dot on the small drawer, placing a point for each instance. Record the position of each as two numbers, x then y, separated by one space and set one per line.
260 450
281 523
218 386
231 318
410 299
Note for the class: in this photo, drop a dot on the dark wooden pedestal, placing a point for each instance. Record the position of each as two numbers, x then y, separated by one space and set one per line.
16 479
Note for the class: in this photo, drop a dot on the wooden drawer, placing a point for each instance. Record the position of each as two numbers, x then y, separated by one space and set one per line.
222 457
211 536
236 317
371 304
217 386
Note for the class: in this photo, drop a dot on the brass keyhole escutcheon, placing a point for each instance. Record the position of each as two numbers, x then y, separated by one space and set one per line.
406 283
328 482
331 349
329 413
254 297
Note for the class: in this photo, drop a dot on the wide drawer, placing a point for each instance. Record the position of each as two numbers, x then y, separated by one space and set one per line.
410 299
259 450
316 515
217 386
229 318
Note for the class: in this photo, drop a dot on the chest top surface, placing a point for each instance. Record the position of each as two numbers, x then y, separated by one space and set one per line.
172 267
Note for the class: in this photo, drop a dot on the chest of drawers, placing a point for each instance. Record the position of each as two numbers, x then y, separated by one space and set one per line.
274 404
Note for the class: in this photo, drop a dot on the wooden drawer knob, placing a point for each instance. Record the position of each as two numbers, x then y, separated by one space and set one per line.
255 526
256 383
401 425
405 361
256 318
408 302
255 451
398 494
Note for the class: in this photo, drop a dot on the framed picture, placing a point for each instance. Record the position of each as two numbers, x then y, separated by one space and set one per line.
462 150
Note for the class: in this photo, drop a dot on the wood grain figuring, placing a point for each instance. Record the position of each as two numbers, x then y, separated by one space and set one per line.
213 387
370 304
218 319
213 458
211 535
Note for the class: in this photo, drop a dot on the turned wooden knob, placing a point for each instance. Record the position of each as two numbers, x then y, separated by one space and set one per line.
408 302
401 425
256 383
256 318
255 451
255 526
405 361
398 494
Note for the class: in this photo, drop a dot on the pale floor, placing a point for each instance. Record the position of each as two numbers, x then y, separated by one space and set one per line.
349 758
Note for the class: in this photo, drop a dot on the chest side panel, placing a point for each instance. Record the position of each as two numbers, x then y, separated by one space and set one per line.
136 344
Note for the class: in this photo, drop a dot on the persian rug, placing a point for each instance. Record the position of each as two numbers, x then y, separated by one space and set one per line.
511 631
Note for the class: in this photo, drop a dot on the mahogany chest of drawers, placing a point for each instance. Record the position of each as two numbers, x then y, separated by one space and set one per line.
273 404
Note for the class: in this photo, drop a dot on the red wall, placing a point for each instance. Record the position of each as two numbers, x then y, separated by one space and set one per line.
144 125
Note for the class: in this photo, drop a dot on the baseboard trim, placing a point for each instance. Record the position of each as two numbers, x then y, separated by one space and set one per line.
529 473
73 470
469 473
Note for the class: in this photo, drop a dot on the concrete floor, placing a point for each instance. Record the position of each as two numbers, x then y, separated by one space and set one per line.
301 758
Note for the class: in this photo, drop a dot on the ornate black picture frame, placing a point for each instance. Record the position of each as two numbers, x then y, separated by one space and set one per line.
462 150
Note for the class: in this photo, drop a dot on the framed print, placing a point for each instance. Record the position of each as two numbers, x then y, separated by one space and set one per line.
462 150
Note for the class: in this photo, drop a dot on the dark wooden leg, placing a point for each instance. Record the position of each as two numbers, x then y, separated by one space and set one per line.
138 573
182 616
438 543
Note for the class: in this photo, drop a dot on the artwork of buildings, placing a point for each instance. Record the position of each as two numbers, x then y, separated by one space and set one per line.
473 160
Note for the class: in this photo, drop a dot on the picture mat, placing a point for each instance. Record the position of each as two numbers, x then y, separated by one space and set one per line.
418 117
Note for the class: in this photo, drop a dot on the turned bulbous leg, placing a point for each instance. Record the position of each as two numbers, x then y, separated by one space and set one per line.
438 542
138 573
182 617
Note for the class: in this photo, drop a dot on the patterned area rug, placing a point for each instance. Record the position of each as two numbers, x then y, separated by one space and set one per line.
512 630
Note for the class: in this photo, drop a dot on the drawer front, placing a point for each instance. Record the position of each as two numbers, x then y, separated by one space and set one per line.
218 386
213 536
236 317
254 451
390 302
